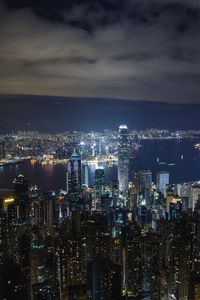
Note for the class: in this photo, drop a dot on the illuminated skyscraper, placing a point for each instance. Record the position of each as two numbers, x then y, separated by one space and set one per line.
162 181
123 159
85 175
99 182
22 193
20 185
73 174
142 181
194 195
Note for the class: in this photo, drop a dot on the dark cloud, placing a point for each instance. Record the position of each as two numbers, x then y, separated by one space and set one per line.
130 49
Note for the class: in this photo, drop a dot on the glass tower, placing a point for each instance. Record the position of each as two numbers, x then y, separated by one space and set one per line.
99 185
123 159
162 181
73 174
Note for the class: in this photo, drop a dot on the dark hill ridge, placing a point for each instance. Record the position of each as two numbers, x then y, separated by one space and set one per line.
57 114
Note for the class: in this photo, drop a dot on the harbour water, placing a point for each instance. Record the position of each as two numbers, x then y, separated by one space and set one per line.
180 158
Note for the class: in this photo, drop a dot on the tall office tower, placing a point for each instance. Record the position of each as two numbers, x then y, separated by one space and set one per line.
20 185
183 189
2 150
22 193
104 280
142 181
123 158
175 207
194 195
114 192
99 184
85 175
73 174
162 180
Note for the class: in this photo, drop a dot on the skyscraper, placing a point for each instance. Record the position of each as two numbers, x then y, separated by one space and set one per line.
194 195
73 174
99 185
123 159
162 180
142 181
21 190
85 175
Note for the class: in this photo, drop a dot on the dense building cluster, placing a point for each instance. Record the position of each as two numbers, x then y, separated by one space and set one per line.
15 147
126 239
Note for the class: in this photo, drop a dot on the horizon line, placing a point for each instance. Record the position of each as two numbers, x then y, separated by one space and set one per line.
90 98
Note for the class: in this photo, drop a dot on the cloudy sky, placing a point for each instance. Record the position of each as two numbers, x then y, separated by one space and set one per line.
125 49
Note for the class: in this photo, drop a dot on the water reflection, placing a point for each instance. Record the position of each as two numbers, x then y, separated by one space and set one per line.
181 159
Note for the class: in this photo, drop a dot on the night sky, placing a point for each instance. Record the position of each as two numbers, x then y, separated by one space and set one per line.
68 53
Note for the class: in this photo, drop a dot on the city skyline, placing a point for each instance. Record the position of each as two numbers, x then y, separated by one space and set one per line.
99 150
84 240
82 213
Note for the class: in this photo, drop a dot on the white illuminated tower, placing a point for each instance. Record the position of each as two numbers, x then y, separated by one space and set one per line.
123 159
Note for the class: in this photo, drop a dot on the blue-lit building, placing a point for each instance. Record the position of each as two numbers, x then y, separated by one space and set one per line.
162 180
123 159
85 175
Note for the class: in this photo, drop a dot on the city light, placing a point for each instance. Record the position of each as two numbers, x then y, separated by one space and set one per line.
100 150
9 200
